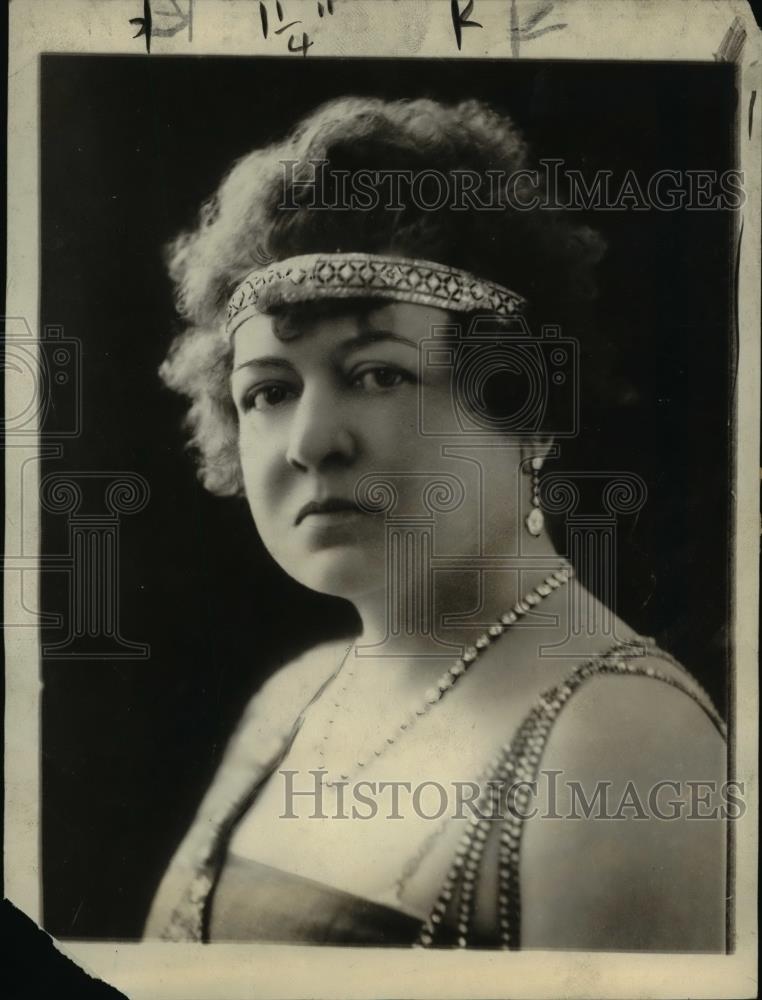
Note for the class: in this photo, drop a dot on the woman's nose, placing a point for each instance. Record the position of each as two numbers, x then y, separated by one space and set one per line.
319 434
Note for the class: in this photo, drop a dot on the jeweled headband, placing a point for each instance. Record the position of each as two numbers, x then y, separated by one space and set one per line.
359 275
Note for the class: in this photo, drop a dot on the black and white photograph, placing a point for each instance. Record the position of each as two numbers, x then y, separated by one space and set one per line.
383 428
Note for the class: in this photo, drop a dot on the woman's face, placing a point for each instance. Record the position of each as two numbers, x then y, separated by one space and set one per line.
340 399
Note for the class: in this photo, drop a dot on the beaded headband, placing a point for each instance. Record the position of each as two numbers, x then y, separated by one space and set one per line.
360 275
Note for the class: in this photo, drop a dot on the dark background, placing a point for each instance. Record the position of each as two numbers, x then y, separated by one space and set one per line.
130 146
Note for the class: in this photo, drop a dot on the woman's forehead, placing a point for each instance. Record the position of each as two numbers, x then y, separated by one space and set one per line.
404 319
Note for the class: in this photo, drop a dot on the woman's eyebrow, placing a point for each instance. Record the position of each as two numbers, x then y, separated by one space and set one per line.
357 341
368 337
269 361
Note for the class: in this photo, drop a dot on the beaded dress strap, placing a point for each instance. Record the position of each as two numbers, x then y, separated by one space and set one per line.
250 762
518 761
188 917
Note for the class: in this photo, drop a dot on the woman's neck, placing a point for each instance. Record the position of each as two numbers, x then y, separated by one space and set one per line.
429 622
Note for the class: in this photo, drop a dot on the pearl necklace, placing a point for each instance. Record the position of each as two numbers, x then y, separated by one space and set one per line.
450 677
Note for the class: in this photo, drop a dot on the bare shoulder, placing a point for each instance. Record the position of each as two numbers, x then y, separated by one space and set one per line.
630 826
635 724
255 744
272 711
301 676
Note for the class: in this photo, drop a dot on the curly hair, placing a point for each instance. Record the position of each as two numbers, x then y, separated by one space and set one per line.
539 253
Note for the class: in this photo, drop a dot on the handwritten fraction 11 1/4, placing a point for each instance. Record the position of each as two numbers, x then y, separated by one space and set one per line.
277 21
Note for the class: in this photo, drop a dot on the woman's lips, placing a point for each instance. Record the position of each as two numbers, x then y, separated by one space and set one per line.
328 518
328 511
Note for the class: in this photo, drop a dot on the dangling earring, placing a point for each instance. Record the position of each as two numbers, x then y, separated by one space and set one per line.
535 520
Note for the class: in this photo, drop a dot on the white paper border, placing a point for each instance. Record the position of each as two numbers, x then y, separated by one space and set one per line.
596 29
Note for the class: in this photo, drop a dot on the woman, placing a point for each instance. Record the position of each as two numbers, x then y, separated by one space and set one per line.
354 369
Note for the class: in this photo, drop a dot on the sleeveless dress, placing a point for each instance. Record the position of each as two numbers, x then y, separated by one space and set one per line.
209 894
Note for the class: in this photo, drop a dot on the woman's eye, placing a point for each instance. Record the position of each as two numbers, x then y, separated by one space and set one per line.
264 397
381 377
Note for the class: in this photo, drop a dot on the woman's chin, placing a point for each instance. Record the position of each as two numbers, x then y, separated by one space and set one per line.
347 573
